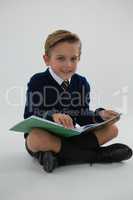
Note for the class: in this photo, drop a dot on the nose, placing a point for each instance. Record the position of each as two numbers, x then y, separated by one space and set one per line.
69 63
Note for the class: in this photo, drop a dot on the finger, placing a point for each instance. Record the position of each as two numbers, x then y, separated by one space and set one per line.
110 114
69 121
58 120
112 122
64 122
61 119
56 117
113 112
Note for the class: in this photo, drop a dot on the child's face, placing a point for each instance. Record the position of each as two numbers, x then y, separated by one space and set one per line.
63 59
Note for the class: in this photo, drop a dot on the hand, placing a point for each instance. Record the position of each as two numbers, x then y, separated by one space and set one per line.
63 119
107 114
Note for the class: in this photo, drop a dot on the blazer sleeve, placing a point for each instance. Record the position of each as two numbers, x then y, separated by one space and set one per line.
34 100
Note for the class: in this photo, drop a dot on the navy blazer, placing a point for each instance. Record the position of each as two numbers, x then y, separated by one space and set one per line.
45 97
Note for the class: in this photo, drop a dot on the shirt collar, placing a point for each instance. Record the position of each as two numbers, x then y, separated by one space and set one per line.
57 78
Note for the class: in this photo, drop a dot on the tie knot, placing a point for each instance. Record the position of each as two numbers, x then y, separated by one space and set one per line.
65 84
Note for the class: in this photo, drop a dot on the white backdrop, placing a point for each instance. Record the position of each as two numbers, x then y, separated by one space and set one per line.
105 28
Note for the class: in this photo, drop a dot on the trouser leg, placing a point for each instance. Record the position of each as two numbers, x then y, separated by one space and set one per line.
85 141
70 153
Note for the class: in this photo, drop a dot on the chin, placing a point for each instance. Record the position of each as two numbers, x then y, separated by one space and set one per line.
68 75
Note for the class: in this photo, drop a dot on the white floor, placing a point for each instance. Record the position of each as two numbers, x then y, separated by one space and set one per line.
22 178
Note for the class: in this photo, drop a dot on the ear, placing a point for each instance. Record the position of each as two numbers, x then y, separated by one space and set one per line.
46 59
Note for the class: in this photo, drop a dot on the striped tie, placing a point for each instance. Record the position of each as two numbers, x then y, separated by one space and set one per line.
65 84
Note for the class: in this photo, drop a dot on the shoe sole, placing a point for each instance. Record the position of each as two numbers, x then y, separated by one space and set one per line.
49 162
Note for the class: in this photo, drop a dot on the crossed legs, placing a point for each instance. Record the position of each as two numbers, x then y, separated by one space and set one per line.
40 140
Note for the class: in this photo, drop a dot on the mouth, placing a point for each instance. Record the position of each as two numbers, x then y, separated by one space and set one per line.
68 71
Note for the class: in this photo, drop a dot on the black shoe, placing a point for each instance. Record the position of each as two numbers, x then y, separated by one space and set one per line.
113 153
49 161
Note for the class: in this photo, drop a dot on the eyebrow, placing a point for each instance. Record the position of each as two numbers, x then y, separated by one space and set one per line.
63 55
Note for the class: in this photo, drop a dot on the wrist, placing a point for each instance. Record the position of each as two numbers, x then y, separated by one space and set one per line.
98 118
49 115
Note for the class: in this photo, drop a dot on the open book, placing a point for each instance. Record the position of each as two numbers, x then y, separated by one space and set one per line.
58 129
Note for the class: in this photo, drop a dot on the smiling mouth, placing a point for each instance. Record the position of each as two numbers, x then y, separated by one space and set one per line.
67 72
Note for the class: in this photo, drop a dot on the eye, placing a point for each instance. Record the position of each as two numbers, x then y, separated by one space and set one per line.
73 59
61 58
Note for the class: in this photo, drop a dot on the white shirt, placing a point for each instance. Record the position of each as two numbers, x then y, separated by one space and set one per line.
58 79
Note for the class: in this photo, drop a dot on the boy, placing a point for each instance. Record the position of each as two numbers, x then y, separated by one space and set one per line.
61 95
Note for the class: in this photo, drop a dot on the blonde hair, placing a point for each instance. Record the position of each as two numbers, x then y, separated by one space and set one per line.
60 36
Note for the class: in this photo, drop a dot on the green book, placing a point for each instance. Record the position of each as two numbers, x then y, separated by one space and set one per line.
36 122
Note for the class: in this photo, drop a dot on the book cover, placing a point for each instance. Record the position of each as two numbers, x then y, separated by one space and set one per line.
36 122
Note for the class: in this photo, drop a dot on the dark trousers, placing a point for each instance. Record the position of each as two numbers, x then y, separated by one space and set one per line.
76 148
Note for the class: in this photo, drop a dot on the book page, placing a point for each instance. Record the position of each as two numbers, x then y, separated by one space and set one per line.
101 124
